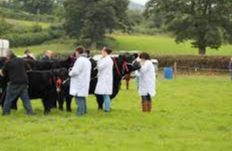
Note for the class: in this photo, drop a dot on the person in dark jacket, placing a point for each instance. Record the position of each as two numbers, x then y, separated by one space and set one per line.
28 55
17 86
47 56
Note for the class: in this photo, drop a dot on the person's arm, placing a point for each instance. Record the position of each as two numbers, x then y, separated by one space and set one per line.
1 73
137 73
77 69
102 64
144 67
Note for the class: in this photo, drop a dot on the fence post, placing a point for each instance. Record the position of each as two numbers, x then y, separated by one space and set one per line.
175 69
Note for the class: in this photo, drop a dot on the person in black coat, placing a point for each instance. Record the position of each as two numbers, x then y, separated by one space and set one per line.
17 86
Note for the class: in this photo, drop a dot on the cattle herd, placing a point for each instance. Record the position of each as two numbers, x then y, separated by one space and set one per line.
49 80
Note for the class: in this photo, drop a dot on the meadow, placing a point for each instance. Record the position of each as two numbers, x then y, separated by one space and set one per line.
155 45
191 113
26 23
58 46
163 45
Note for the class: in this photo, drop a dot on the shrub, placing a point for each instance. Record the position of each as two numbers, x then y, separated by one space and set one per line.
28 39
19 29
4 27
195 62
17 14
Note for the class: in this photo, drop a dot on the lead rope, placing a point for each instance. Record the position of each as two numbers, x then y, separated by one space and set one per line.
117 69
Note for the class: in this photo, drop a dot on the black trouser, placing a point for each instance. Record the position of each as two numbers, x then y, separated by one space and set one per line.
12 92
146 97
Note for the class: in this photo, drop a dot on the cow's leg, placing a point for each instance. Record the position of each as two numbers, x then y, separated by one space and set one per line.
100 101
46 104
53 102
68 100
60 98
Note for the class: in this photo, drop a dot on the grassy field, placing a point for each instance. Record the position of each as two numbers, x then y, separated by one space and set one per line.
161 44
59 46
156 45
191 113
27 23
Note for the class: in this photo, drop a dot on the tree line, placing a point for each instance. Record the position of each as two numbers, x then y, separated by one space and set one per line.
205 23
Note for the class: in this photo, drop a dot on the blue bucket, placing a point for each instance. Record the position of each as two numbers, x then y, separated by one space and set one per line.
168 73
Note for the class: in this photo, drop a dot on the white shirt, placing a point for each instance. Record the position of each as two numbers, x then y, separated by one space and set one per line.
80 77
105 76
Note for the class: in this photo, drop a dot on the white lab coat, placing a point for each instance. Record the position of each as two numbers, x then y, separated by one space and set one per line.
105 76
147 79
80 77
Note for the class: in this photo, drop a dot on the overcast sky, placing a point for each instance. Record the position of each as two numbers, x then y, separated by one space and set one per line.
139 1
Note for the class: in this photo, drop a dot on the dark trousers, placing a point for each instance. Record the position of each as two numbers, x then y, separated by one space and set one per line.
12 92
82 107
146 98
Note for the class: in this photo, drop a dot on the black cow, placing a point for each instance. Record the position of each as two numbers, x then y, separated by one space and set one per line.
42 85
46 85
46 65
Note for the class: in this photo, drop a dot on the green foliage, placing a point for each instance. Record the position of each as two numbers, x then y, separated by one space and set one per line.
191 113
191 62
22 15
207 23
4 27
134 18
19 29
38 6
27 24
89 20
27 39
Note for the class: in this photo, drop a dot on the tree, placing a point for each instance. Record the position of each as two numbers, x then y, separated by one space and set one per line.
90 20
38 6
134 18
208 23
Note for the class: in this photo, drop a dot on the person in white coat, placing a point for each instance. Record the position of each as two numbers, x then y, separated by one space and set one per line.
80 80
146 82
105 78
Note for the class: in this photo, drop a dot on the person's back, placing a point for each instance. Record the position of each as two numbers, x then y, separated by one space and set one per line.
146 82
80 77
16 71
80 80
147 79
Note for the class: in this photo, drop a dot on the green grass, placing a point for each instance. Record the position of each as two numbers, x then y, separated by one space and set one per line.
191 113
155 45
59 46
27 23
161 44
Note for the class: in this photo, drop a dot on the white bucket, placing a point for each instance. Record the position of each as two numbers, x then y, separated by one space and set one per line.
4 47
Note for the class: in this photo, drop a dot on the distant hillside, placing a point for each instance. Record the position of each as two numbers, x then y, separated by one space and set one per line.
135 6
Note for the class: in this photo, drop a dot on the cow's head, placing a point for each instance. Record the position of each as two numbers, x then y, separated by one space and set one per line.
127 63
59 76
